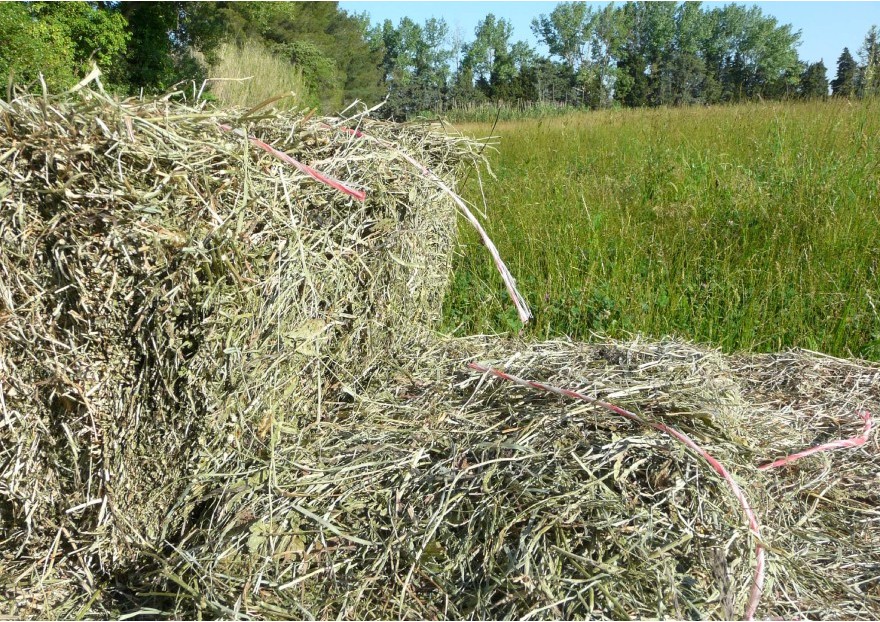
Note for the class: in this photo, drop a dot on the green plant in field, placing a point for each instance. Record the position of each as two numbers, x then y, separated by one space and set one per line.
249 73
504 111
752 227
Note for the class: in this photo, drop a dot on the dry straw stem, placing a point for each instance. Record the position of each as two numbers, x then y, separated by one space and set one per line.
220 397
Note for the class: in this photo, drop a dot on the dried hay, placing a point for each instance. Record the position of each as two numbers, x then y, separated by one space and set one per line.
480 500
285 438
172 297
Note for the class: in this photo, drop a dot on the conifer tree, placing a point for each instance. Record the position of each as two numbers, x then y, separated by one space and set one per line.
868 83
844 85
814 81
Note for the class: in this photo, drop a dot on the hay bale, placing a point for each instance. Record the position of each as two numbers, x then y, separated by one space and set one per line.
481 502
220 397
172 298
447 495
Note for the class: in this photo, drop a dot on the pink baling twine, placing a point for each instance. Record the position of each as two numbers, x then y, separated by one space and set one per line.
308 170
754 527
855 441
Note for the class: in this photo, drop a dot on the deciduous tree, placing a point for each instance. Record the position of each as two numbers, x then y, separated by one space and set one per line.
60 40
566 31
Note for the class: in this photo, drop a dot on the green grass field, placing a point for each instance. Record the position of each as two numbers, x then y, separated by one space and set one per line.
752 227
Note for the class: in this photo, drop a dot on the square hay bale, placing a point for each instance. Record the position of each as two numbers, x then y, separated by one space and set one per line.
172 296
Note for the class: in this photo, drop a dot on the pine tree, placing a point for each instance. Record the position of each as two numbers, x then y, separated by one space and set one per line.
814 82
844 85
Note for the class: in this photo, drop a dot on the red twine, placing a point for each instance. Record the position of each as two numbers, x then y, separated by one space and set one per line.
752 519
308 170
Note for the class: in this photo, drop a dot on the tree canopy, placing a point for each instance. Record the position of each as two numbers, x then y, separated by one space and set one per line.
868 77
634 54
59 40
814 81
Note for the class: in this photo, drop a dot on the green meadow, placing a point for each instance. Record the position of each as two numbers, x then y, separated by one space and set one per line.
750 227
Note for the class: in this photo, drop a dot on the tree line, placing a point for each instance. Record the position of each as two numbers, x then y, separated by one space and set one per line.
152 46
635 54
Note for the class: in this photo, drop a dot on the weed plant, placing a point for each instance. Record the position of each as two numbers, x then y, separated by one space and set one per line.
248 74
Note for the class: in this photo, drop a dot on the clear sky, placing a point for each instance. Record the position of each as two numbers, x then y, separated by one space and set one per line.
826 27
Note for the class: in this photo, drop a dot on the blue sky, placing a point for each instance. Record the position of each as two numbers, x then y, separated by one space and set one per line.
826 27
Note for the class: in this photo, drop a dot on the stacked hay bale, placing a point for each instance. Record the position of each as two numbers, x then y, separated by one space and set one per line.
450 495
819 520
220 397
174 301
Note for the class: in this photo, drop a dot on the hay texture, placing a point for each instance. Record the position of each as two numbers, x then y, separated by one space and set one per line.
221 397
171 297
451 495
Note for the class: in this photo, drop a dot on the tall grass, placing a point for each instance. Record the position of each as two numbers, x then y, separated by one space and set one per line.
248 74
754 227
487 112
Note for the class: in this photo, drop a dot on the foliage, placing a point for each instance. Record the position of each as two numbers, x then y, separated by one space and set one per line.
338 60
163 38
868 83
489 56
358 57
814 81
845 83
631 55
566 31
415 64
660 53
59 40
